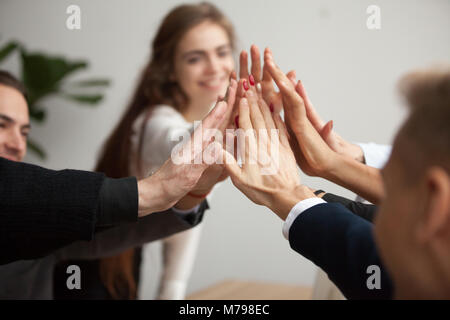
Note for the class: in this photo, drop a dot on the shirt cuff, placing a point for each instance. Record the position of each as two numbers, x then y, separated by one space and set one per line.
118 202
296 211
192 210
376 155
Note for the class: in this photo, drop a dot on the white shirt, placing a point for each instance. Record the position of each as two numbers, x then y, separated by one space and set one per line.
164 130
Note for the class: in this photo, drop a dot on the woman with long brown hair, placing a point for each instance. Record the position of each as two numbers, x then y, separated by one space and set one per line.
189 68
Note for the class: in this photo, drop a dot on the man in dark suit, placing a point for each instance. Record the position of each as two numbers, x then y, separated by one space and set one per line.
43 213
42 210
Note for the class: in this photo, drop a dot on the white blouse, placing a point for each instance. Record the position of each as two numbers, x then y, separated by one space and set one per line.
164 129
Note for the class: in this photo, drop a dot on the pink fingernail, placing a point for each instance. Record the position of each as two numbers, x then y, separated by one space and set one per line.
245 84
251 79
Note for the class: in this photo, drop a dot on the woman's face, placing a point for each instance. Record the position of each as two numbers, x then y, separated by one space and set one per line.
203 62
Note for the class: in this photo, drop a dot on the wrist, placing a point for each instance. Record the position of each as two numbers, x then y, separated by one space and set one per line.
357 153
283 202
152 197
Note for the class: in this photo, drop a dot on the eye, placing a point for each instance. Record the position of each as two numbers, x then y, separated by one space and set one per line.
193 60
2 125
25 133
223 53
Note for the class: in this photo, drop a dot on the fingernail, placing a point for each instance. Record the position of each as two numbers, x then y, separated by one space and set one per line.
245 84
236 121
252 80
271 107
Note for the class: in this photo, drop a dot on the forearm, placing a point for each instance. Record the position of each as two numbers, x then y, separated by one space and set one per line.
191 200
363 180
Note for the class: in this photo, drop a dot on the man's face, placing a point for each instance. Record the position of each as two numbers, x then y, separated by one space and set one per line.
14 124
396 218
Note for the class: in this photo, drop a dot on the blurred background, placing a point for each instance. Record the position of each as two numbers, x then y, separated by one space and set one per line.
349 71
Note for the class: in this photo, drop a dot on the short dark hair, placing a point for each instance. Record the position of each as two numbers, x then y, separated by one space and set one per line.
426 132
7 79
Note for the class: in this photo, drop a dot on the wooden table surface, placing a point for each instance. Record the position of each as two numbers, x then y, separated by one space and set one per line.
249 290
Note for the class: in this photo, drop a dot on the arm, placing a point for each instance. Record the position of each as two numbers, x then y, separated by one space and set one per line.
336 240
42 210
150 228
342 244
365 211
313 154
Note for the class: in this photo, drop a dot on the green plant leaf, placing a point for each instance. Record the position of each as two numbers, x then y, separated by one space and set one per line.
42 74
91 83
85 98
35 148
8 49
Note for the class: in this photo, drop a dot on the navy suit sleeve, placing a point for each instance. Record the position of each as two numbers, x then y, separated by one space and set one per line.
342 244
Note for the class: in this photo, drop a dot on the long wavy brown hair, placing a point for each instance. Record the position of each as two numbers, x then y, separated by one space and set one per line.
154 87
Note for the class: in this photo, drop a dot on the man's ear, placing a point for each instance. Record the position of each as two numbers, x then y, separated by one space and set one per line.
435 218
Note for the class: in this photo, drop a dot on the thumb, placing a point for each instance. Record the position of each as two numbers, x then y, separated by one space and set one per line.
231 166
326 130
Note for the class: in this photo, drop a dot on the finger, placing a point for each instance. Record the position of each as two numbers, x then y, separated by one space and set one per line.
215 117
292 101
326 130
247 150
243 65
232 167
233 75
282 131
292 76
256 62
256 116
311 112
267 87
230 99
278 76
267 113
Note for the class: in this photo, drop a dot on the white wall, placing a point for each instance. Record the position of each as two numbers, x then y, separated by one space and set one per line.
349 72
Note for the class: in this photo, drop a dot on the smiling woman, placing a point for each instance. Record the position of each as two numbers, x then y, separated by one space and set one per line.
189 68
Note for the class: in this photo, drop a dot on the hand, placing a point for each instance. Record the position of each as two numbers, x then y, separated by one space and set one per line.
174 179
334 140
269 174
313 154
263 77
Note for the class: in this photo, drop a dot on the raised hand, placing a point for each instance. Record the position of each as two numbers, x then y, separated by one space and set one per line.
180 175
269 174
314 155
260 77
333 139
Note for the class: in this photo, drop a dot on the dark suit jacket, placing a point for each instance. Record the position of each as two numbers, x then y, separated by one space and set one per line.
342 244
365 211
42 210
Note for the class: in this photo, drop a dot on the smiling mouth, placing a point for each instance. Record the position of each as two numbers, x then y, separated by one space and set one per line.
213 84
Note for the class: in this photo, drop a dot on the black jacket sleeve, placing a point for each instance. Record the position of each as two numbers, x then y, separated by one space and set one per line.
150 228
43 210
342 244
365 211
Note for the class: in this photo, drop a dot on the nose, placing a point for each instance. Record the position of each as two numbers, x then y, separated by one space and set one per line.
213 64
16 143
